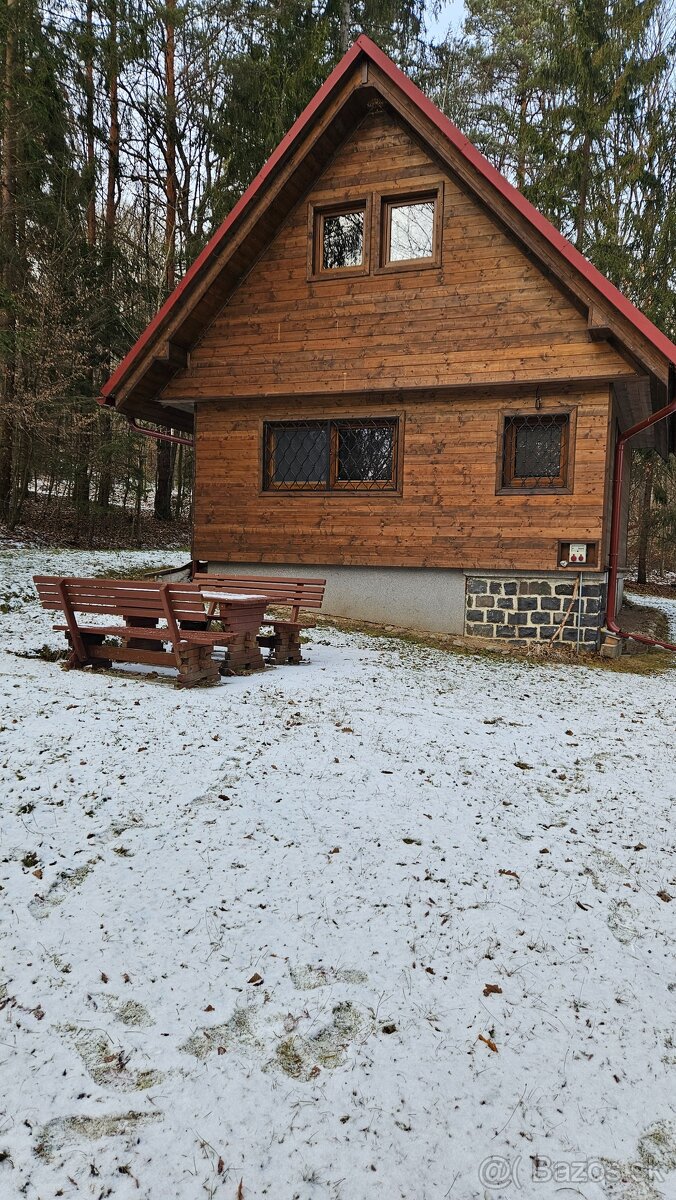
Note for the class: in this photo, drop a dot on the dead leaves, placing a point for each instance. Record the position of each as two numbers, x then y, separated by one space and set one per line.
488 1042
256 979
523 766
664 895
492 989
512 874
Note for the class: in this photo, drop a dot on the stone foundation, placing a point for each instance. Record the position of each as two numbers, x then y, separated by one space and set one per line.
531 608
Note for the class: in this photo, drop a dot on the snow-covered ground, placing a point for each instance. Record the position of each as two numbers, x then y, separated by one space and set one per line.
386 924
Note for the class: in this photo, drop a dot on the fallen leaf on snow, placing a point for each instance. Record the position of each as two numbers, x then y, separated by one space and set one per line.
488 1042
256 979
492 989
664 895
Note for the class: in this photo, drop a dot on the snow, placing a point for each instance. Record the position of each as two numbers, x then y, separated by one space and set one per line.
238 597
247 931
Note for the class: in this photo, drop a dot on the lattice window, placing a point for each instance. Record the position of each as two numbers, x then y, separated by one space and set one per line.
535 451
358 455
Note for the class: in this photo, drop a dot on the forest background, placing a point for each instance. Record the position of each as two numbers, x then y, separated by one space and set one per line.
129 129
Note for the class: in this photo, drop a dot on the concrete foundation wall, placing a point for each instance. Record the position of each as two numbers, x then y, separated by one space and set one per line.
415 598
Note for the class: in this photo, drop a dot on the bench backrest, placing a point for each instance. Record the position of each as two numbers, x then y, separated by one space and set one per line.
129 598
298 593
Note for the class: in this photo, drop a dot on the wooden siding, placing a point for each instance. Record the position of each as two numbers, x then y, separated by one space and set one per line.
488 314
448 514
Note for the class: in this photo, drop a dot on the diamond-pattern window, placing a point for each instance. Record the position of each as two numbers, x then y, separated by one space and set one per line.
360 455
535 451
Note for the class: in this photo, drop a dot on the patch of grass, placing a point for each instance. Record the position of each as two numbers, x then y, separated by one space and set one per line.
137 571
652 662
642 618
46 653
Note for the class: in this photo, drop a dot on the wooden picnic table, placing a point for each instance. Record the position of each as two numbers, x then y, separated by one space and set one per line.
241 616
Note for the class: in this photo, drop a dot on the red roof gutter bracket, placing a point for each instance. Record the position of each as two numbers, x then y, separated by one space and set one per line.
160 437
616 520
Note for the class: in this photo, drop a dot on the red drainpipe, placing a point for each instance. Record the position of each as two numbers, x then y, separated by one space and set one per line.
616 521
159 437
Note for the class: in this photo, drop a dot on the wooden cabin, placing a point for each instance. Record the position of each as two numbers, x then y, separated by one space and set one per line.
399 375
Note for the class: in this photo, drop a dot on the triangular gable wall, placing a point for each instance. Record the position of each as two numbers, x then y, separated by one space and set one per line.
364 72
488 314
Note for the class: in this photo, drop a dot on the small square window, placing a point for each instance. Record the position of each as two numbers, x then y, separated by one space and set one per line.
339 239
535 451
409 230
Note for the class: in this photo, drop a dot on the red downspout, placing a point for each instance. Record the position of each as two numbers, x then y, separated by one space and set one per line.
616 521
160 437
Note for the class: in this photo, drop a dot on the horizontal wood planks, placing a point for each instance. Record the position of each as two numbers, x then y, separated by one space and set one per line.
487 315
448 514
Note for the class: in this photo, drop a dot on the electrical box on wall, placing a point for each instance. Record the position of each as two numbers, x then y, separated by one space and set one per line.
578 554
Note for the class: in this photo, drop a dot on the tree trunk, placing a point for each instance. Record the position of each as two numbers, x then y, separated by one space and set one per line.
644 529
165 450
583 193
89 123
109 222
9 248
345 25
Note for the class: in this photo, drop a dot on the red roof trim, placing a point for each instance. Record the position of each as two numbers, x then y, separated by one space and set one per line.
221 233
364 45
532 215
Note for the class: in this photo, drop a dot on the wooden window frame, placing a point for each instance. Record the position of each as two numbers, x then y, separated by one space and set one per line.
316 216
334 486
527 487
385 202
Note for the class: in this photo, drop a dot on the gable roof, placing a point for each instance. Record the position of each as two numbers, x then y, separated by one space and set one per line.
151 361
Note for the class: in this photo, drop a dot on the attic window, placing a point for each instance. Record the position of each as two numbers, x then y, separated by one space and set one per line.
339 239
409 230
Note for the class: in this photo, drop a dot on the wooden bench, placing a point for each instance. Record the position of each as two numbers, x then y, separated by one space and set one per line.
134 608
282 591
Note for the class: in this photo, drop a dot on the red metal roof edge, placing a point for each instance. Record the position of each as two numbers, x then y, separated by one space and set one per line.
221 233
518 201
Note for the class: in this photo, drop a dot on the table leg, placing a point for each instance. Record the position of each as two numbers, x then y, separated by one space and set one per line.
142 643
